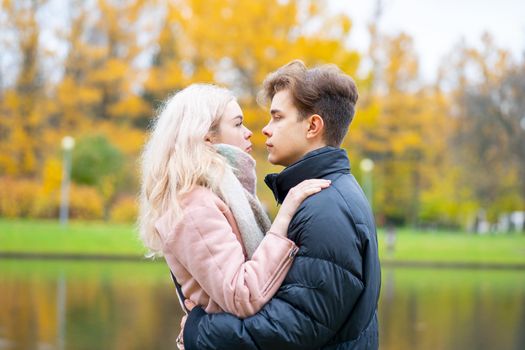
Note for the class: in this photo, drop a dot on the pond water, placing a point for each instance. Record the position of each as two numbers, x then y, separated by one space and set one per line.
132 305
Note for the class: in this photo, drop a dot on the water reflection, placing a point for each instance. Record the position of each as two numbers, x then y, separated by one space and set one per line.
86 305
61 311
117 305
452 309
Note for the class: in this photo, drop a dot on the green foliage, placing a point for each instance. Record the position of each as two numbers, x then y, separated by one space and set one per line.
95 158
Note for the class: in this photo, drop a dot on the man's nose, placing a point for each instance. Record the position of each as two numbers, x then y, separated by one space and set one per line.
266 131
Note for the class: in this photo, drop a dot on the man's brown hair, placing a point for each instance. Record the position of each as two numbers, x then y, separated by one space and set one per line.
324 90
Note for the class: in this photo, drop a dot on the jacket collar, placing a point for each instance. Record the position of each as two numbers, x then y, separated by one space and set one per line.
314 165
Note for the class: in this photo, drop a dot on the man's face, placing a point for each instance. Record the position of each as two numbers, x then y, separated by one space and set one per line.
286 135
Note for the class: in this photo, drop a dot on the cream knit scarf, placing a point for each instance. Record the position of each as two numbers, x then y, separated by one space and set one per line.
238 191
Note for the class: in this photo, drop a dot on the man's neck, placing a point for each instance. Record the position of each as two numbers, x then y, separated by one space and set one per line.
318 163
312 147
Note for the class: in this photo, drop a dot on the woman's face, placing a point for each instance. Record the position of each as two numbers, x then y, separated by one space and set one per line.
232 130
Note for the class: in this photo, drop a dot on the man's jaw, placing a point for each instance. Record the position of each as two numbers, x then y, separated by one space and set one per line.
269 149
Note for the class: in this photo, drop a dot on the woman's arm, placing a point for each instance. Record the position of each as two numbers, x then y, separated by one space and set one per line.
207 247
210 251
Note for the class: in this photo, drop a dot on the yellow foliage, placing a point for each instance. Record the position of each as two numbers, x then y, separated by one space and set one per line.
443 202
17 196
124 210
107 186
130 108
84 203
52 175
7 163
29 198
72 95
113 70
108 87
126 139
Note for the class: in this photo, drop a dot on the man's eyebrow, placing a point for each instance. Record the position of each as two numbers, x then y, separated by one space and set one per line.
275 111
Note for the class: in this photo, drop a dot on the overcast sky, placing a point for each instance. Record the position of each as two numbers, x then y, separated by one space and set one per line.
437 25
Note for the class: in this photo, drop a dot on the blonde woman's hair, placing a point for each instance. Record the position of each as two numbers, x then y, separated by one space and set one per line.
176 157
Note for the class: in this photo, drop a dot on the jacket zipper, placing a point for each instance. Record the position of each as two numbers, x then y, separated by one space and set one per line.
283 264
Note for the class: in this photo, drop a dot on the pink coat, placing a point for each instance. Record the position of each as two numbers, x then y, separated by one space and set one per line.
205 253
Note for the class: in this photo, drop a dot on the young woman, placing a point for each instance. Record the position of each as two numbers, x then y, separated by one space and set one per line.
199 208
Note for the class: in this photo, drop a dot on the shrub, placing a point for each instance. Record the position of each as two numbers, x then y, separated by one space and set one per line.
124 210
94 158
17 196
28 198
86 203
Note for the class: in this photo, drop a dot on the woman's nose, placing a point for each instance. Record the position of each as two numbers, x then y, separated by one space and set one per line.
247 133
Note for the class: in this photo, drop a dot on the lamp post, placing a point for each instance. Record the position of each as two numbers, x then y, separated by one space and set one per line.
367 165
67 146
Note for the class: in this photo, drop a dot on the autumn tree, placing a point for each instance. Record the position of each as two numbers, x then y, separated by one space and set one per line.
390 129
489 141
236 44
23 106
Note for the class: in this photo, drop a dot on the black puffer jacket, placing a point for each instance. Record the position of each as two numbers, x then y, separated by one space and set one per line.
329 297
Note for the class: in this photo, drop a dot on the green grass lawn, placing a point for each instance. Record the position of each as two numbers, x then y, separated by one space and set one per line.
442 246
120 239
39 236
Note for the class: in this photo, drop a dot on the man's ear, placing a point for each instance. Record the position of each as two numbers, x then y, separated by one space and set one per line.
315 126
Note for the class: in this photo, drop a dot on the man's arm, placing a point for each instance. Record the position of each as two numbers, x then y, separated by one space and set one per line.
304 314
225 331
316 298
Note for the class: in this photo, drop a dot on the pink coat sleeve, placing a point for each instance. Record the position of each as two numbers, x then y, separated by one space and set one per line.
208 248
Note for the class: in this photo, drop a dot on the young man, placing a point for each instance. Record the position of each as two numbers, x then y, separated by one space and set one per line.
329 298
